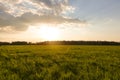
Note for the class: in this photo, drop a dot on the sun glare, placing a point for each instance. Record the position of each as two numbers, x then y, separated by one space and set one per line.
49 33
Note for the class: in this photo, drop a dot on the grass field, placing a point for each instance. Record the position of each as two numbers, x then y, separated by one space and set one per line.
59 62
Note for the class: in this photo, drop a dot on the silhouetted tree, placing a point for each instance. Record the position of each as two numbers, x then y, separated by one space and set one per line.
4 43
62 43
19 43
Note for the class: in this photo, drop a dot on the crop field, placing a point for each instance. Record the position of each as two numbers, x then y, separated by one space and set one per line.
59 62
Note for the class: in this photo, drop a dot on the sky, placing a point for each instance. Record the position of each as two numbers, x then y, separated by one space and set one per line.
41 20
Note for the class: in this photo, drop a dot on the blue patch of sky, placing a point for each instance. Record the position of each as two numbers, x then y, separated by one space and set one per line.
90 9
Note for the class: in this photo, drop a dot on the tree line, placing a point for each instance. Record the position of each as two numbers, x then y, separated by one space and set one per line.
62 43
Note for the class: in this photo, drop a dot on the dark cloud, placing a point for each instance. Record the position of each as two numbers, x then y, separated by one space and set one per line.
22 22
9 20
2 7
57 6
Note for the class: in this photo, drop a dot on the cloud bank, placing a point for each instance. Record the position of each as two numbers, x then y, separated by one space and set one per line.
20 14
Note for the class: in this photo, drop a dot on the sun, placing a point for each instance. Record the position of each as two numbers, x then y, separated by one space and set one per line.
49 33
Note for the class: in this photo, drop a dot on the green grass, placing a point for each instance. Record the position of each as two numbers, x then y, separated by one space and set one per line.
59 62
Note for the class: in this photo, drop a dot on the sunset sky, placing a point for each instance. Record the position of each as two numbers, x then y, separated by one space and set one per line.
41 20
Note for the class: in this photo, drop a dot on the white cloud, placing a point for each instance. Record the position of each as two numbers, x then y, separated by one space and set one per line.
19 7
20 14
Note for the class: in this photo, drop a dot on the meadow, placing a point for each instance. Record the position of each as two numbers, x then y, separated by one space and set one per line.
59 62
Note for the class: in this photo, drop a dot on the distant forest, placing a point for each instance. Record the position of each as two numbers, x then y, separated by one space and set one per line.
62 43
